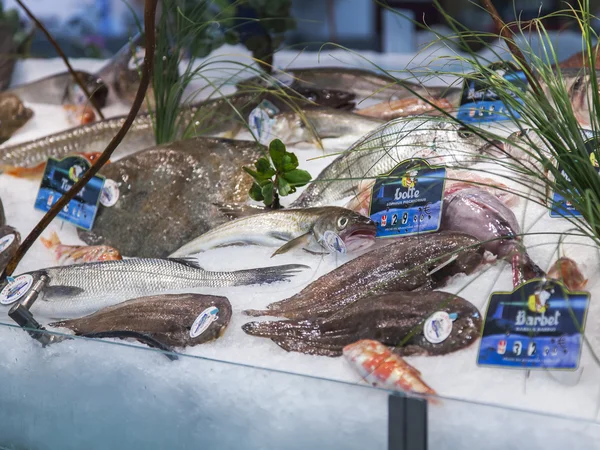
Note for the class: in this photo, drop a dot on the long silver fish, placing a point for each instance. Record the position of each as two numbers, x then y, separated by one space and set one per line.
289 228
435 140
85 288
209 118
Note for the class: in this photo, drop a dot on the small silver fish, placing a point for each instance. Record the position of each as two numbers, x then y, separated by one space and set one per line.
288 228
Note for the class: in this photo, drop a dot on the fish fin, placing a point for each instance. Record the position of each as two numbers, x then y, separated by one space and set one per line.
189 261
23 172
312 252
141 337
52 241
62 291
296 242
238 210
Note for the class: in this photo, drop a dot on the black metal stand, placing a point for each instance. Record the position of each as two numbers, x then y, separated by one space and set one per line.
407 423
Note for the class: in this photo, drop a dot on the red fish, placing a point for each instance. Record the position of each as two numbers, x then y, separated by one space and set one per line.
75 254
380 367
566 270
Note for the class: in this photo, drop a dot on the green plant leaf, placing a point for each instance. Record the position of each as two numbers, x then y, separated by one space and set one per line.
263 166
290 162
283 187
252 173
267 193
255 193
297 177
277 152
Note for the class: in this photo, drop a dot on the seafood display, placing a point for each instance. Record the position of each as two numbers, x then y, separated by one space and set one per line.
404 265
74 254
394 319
382 368
181 320
86 288
289 229
177 203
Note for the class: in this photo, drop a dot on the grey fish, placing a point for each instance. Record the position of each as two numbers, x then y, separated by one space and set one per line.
85 288
8 55
287 229
10 239
395 319
116 80
2 216
13 115
167 194
435 140
362 83
404 265
477 212
166 318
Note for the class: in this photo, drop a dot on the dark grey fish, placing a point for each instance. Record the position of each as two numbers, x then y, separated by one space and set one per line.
404 265
167 194
2 216
362 83
13 115
10 239
8 55
166 318
395 319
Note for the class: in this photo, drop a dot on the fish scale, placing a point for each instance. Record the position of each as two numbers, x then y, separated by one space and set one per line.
85 288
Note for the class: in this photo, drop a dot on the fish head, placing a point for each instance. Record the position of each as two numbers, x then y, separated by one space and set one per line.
13 114
107 253
330 98
355 230
290 128
579 87
567 271
95 85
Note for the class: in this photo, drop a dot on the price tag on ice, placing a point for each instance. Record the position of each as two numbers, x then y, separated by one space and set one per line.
261 121
408 200
537 326
561 207
480 104
59 177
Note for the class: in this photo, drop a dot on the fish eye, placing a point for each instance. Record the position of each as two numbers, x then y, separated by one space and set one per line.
342 222
464 133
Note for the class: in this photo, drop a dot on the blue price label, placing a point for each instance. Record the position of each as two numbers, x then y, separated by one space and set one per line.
561 207
479 103
59 177
408 200
537 326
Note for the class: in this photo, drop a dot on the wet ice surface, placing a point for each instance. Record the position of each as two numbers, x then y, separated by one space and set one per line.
77 368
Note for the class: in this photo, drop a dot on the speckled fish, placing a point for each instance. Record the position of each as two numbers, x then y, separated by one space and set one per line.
378 366
413 262
224 115
435 140
167 194
180 320
13 115
288 229
85 288
362 83
482 215
395 319
75 254
10 239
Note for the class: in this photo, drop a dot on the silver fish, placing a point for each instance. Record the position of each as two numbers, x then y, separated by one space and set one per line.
435 140
288 228
85 288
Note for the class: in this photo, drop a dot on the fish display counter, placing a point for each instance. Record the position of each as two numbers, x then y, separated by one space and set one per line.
395 289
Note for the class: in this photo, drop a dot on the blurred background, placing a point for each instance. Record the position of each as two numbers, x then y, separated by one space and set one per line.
97 28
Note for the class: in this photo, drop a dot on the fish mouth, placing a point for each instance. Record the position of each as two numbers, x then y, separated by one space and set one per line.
359 238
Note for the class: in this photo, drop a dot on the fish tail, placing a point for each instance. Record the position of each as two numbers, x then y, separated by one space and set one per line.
257 312
273 329
266 275
524 269
52 241
141 337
